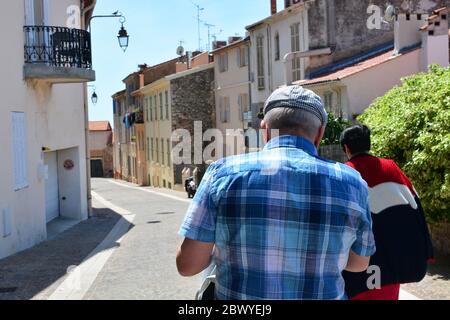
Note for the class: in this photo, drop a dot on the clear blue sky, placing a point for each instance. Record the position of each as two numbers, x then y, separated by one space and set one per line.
155 28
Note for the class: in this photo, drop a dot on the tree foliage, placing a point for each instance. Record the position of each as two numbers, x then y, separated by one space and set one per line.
334 129
411 125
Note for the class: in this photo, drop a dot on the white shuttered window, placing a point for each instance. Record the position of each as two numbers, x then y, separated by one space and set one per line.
19 150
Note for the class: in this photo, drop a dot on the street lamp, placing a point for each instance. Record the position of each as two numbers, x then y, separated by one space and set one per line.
123 36
94 97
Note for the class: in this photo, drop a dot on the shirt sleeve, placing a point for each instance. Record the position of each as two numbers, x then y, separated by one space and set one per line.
364 245
200 221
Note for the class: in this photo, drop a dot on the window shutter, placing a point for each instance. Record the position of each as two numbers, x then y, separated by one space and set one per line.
238 52
19 147
228 118
226 61
241 116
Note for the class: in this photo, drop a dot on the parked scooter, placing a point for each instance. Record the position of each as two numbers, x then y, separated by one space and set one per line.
191 187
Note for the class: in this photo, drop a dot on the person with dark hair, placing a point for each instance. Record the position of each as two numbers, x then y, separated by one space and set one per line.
401 233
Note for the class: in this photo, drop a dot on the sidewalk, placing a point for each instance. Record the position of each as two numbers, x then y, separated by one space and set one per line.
37 272
436 285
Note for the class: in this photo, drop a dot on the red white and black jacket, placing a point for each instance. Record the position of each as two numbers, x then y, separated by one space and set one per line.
402 237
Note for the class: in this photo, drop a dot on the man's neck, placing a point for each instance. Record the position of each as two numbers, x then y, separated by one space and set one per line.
359 154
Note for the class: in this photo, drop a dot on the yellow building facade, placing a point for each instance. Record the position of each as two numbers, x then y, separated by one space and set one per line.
158 122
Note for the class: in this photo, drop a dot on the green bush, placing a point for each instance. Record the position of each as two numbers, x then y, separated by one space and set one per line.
411 125
334 129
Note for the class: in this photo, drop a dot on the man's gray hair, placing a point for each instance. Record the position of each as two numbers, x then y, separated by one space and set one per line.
291 119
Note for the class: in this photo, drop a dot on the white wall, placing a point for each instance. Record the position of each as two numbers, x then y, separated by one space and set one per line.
54 119
231 84
98 140
435 51
364 87
282 25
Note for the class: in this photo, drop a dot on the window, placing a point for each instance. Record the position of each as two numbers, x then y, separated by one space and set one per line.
150 100
19 148
224 109
157 150
169 153
164 183
167 104
328 100
223 62
277 47
148 148
155 101
152 155
146 109
161 106
295 47
243 105
242 55
260 62
162 152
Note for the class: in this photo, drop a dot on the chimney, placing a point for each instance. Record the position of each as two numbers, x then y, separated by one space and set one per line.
406 30
142 68
273 7
219 44
435 39
233 39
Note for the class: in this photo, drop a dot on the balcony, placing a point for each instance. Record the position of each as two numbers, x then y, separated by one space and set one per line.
58 55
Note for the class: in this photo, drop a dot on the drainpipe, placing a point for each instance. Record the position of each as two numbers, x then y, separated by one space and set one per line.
288 58
86 123
250 96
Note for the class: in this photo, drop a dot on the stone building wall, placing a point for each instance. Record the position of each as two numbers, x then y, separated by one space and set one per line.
342 25
192 100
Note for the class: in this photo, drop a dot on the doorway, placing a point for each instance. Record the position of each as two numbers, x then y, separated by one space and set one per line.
52 206
97 168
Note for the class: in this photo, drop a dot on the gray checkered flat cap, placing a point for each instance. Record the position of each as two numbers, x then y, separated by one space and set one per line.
297 97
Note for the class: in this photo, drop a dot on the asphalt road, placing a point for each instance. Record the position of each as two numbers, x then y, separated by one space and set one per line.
143 265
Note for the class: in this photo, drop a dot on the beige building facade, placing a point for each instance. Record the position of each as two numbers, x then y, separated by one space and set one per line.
43 127
232 94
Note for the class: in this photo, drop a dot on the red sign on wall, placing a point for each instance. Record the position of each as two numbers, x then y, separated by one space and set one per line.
69 164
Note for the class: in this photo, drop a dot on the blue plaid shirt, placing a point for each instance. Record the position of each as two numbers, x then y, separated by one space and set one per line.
283 222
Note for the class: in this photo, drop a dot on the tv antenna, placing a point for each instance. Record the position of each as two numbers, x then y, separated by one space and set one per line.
199 21
214 35
209 26
180 49
389 15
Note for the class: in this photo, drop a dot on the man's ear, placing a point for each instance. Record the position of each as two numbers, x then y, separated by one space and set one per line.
319 137
347 151
266 131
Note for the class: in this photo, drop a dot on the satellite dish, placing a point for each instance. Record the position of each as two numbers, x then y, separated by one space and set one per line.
180 51
389 14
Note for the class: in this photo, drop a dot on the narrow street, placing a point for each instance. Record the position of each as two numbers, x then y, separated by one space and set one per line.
143 266
130 246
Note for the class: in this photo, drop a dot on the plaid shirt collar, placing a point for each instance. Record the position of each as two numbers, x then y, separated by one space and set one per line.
294 142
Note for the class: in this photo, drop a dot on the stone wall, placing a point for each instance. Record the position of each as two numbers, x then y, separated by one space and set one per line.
440 233
342 25
333 152
192 100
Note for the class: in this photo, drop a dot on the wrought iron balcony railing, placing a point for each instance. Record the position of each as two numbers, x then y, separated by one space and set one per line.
58 47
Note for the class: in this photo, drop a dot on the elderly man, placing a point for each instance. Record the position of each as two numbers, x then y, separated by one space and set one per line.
281 223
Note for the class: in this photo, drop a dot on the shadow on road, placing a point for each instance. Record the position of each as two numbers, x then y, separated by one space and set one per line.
41 269
441 269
